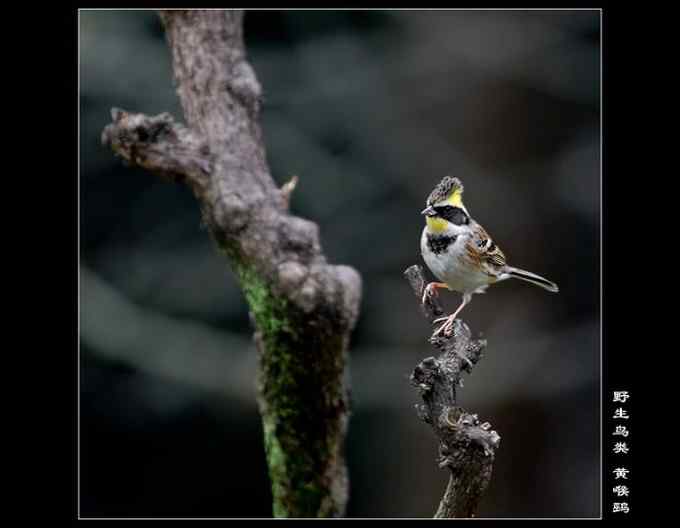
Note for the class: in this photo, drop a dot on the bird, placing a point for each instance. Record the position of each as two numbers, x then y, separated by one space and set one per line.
460 253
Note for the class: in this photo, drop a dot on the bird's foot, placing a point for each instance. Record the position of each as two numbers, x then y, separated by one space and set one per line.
447 327
431 290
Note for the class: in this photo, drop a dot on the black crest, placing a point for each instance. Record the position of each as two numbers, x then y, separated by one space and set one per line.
444 189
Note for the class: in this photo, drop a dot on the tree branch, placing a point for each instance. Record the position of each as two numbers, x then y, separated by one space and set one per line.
466 446
303 308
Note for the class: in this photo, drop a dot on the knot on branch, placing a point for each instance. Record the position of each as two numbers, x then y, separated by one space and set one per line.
244 86
319 286
229 212
159 144
350 286
460 431
425 375
300 236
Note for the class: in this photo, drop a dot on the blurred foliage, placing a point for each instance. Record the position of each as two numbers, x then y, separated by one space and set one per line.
370 109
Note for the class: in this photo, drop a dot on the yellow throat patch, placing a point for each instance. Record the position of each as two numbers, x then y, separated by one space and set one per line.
436 225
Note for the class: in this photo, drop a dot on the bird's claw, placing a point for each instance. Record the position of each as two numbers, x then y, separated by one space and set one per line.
447 327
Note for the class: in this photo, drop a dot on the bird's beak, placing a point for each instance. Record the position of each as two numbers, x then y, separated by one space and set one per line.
428 211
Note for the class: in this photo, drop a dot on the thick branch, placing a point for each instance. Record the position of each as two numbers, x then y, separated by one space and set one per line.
466 446
303 308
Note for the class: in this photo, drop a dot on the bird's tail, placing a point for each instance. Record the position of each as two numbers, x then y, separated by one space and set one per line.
532 278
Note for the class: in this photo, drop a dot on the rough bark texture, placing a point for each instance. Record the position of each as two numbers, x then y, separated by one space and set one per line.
466 446
302 307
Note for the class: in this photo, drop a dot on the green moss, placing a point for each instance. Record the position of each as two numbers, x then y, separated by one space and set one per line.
269 311
301 400
276 461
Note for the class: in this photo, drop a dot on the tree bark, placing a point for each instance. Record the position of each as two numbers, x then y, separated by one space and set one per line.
466 446
303 308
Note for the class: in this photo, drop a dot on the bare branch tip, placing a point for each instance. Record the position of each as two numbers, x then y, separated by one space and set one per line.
289 186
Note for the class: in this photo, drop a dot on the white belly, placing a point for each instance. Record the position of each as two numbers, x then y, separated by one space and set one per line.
451 269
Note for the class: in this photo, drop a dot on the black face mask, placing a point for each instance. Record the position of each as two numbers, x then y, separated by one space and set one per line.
455 215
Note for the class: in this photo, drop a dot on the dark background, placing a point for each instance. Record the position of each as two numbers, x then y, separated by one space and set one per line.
370 109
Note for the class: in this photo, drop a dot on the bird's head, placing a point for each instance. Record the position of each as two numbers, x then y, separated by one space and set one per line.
445 210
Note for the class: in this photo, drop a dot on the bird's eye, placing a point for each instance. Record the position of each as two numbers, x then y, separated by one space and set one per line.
455 215
461 218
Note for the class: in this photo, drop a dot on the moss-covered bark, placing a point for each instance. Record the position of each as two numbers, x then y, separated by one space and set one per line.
302 401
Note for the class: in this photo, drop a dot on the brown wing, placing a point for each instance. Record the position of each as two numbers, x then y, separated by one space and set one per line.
485 251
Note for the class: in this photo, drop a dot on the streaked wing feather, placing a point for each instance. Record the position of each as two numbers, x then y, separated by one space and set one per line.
490 254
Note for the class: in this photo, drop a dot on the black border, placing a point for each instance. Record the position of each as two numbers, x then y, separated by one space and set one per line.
619 365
